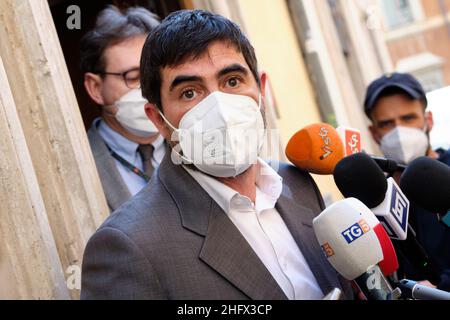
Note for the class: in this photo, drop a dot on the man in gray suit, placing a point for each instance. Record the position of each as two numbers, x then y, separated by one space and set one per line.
125 144
216 221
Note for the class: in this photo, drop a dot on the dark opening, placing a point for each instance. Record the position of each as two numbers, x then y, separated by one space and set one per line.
70 39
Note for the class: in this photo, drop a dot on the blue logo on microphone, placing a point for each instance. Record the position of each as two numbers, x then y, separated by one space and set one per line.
400 208
356 231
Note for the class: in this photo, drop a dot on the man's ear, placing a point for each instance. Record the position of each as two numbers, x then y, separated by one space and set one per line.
152 113
93 84
263 81
429 120
375 135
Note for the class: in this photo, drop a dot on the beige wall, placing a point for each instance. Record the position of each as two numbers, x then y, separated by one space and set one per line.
280 56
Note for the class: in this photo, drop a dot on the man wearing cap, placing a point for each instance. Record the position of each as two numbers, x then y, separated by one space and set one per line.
396 105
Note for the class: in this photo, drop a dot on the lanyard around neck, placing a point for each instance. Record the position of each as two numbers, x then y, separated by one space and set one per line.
128 165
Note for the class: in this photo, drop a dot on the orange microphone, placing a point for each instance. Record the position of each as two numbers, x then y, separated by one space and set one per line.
316 148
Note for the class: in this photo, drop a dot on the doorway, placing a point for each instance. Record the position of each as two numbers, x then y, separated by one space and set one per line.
70 39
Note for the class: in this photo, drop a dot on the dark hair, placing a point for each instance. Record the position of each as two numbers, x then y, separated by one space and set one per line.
112 27
183 35
393 91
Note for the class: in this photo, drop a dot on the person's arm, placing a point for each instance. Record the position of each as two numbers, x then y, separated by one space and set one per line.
115 268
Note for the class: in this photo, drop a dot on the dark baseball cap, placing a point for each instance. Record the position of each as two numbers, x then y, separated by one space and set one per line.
403 81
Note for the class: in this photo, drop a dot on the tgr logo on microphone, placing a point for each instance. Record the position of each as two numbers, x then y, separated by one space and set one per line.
356 231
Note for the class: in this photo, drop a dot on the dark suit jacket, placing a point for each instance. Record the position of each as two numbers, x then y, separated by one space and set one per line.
172 241
115 189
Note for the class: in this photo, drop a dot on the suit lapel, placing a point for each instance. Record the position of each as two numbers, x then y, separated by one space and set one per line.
226 251
224 248
299 222
114 187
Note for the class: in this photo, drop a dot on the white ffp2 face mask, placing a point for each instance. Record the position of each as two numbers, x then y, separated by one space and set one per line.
404 144
223 135
131 114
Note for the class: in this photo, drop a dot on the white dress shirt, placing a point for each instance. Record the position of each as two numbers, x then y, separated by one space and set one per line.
262 226
129 151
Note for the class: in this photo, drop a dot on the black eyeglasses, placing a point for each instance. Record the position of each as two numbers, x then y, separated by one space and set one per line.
131 77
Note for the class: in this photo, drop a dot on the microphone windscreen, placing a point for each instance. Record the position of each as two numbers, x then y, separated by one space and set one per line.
358 176
316 148
426 182
389 264
351 138
348 241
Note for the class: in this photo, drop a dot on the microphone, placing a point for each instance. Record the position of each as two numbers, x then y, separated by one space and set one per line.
352 247
306 141
389 264
317 149
360 177
389 166
427 183
413 290
351 139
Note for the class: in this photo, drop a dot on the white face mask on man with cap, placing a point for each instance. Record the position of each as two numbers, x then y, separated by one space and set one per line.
404 144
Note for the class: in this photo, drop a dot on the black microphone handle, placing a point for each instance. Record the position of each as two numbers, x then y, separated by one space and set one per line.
375 286
413 251
389 166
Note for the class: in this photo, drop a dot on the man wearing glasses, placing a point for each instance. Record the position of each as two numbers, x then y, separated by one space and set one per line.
125 143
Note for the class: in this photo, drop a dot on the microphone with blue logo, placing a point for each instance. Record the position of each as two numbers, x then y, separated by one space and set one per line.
360 177
346 233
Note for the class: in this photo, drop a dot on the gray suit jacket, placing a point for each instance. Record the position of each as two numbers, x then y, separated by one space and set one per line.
172 241
115 189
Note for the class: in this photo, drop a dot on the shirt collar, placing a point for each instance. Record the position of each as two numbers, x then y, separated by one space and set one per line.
125 148
269 187
158 143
